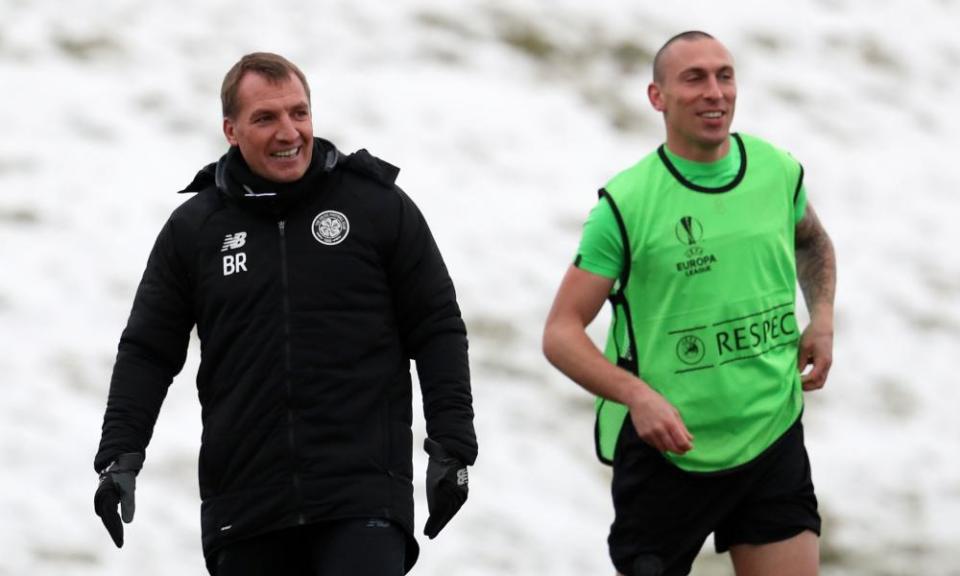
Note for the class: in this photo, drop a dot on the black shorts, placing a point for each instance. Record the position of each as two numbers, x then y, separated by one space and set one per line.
663 514
358 547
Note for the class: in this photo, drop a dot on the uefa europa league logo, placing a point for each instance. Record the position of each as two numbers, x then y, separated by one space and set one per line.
689 230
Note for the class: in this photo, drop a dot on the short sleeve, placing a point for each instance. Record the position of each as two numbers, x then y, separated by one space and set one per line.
601 248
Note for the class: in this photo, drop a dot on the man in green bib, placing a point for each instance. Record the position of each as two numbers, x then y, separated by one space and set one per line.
699 247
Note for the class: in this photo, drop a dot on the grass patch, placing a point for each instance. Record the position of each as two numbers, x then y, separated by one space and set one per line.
765 42
19 216
495 330
630 56
622 114
528 40
788 95
594 64
445 23
877 56
65 556
86 48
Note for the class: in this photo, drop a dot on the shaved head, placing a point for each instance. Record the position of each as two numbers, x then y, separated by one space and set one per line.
658 59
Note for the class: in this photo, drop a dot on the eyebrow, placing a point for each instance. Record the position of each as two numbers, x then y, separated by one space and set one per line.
298 106
705 70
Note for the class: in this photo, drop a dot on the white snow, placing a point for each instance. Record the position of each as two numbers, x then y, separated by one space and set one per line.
502 115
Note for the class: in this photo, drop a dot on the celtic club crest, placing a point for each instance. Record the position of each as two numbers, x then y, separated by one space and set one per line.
330 227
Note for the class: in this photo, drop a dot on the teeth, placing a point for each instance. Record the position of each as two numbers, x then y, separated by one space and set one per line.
711 114
286 153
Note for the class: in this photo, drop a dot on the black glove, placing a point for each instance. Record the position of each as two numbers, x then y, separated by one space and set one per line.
647 565
117 483
447 486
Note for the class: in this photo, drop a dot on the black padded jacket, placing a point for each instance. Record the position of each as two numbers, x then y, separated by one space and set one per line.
308 315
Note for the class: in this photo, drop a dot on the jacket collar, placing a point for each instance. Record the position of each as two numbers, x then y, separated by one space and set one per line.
215 173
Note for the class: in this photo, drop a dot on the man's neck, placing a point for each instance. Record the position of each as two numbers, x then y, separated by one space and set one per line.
697 152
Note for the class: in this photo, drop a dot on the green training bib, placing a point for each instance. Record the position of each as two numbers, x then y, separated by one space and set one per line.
705 294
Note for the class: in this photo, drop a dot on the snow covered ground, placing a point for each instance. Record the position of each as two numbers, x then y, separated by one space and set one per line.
505 117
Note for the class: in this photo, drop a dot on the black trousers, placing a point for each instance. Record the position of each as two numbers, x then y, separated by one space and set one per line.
354 547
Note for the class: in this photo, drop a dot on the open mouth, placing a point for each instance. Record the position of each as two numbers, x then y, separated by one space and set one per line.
286 153
711 115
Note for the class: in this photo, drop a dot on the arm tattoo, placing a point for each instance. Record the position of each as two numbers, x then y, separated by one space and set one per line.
816 261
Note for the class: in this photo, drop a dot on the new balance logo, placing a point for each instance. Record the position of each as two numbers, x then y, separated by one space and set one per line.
234 241
233 263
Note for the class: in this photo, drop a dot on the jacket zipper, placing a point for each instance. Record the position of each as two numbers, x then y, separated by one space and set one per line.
288 365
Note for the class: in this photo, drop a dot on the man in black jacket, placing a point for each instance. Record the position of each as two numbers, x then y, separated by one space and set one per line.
312 280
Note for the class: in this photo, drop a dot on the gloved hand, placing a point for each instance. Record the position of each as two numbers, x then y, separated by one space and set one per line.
647 565
447 486
117 483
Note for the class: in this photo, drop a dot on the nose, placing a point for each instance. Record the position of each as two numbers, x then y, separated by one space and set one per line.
711 89
287 130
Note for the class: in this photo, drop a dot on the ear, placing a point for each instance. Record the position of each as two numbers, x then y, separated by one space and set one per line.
229 131
655 96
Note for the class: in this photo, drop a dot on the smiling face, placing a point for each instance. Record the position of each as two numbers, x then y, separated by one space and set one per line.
697 93
272 127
